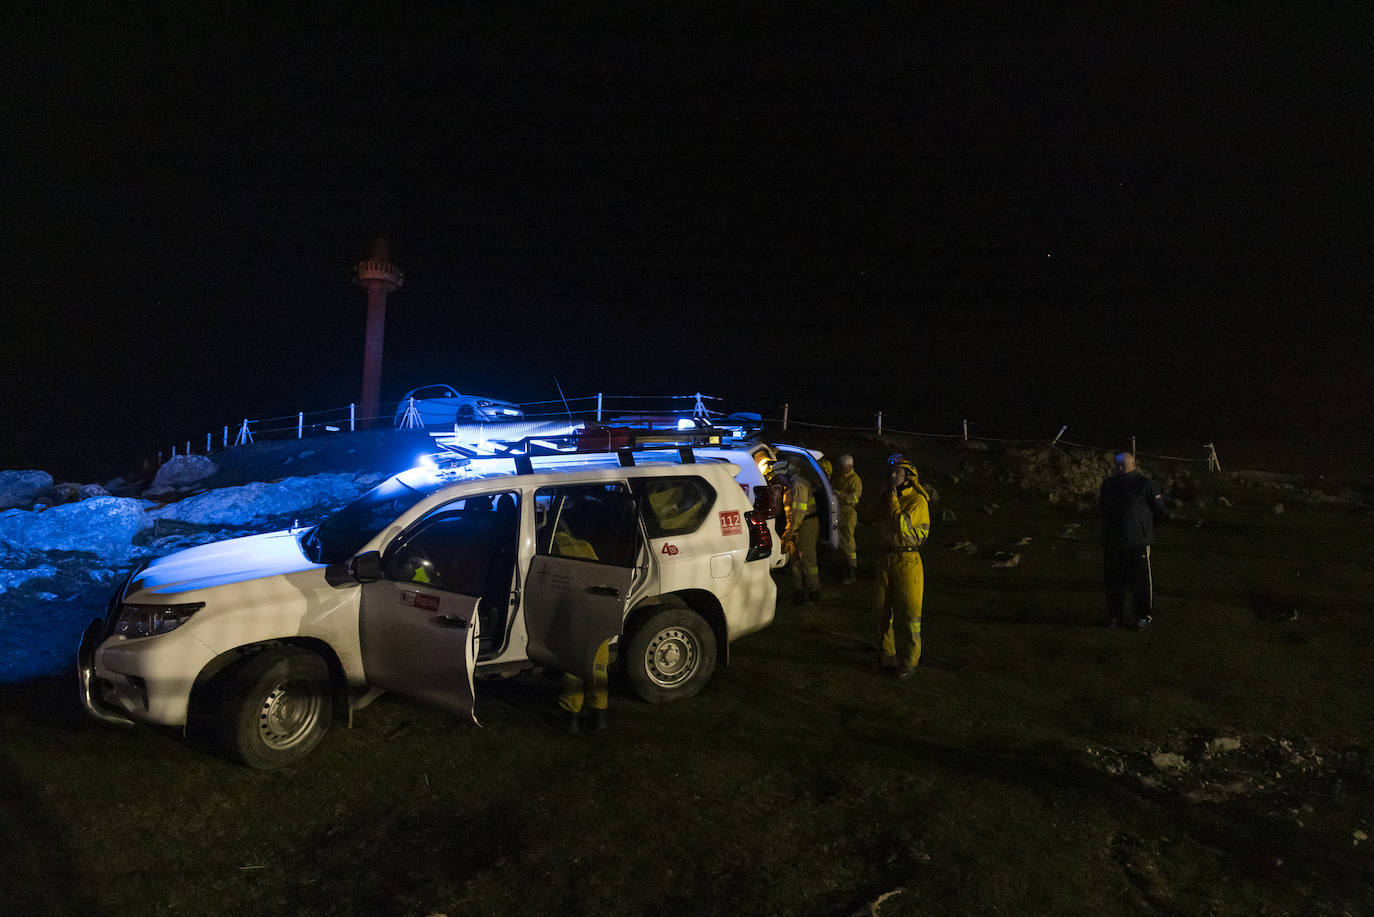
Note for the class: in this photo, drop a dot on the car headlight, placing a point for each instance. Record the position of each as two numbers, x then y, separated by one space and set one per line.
151 620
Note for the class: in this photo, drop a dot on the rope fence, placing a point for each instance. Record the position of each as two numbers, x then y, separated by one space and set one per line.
663 410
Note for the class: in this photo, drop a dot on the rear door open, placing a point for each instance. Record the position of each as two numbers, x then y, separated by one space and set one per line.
587 548
827 504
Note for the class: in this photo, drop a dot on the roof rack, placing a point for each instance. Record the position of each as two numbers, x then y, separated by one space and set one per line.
621 442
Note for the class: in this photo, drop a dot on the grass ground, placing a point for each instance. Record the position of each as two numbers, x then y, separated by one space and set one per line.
1218 763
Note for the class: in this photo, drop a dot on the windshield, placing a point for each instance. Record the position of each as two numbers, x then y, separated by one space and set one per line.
343 534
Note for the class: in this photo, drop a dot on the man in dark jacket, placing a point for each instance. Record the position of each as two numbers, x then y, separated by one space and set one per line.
1131 505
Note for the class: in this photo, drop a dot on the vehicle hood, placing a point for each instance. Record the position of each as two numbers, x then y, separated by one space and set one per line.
223 562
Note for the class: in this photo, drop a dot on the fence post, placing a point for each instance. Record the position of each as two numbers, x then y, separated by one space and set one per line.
159 458
352 416
207 443
880 423
785 409
1133 444
188 447
598 406
965 429
245 435
174 451
1059 434
1213 463
300 424
226 436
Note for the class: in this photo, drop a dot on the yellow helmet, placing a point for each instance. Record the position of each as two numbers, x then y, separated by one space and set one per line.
900 461
827 467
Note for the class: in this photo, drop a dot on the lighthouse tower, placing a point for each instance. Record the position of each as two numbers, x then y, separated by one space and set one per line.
379 277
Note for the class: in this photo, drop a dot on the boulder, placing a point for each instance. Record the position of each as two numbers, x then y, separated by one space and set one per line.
22 488
180 470
101 525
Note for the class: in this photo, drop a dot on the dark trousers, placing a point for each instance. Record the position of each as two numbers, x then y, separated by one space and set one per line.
1123 569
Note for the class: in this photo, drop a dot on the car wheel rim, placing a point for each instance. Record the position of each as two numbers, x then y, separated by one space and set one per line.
672 657
288 714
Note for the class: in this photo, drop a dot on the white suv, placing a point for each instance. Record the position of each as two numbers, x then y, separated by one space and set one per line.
468 566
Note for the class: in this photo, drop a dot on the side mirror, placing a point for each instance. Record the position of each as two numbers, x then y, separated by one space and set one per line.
366 567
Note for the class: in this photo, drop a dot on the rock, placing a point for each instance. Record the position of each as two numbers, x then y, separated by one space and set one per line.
1278 509
1221 745
990 508
1222 501
1024 541
181 470
1005 560
93 490
1168 761
102 525
965 547
65 493
948 515
1360 836
22 488
1071 530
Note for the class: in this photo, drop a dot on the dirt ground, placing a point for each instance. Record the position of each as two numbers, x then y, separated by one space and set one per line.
1219 762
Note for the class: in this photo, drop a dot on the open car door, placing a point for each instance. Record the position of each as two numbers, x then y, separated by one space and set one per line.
827 504
418 626
420 642
587 546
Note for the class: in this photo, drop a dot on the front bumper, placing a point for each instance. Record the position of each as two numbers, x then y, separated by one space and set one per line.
86 679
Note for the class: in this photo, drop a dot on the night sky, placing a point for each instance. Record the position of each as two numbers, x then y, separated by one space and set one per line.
1151 218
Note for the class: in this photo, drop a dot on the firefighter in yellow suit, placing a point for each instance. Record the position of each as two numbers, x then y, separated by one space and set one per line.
848 490
802 532
903 526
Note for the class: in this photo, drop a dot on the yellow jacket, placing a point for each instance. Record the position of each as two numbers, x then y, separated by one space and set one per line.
796 503
848 487
905 521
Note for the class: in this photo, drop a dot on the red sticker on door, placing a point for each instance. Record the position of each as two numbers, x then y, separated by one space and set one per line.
420 600
731 523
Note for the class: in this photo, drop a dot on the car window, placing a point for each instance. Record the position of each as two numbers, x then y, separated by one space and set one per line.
674 506
343 534
591 522
460 547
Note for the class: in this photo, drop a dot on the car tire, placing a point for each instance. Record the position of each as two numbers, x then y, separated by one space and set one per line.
671 655
277 705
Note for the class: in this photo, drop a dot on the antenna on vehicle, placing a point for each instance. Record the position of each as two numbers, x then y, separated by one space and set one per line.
561 395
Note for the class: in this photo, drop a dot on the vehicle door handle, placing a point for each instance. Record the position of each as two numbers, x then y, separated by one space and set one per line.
603 590
450 621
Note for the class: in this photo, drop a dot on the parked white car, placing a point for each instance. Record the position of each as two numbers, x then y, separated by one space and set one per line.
440 573
443 405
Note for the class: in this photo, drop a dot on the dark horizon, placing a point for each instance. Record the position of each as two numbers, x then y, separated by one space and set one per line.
1150 220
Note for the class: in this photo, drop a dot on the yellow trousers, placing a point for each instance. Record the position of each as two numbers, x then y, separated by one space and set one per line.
574 691
901 590
806 569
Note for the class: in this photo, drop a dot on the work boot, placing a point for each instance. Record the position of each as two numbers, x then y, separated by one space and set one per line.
1113 623
596 719
815 595
574 726
848 579
799 598
906 671
1144 622
887 664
